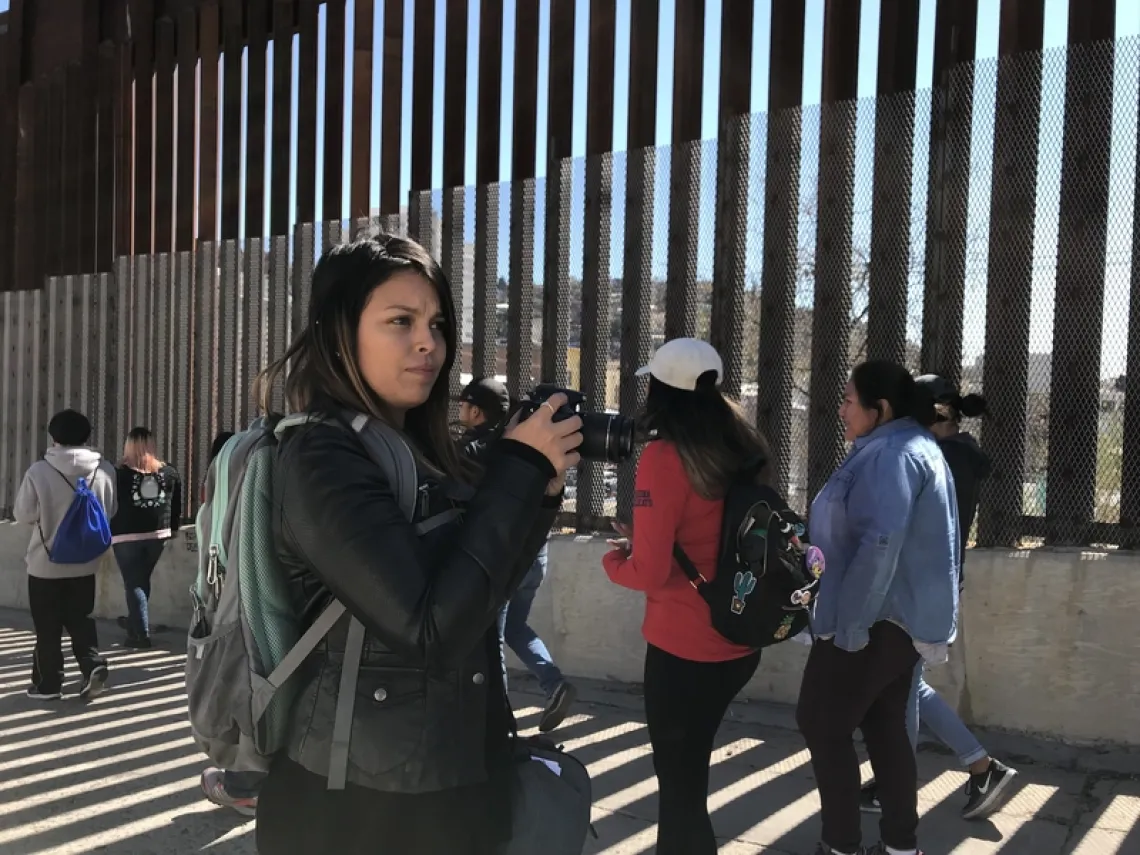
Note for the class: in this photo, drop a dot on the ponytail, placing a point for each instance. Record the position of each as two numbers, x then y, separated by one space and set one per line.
919 404
882 380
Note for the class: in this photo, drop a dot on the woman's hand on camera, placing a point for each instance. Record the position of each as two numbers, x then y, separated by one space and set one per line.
558 441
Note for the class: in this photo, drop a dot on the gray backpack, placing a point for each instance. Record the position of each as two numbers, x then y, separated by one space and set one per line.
245 640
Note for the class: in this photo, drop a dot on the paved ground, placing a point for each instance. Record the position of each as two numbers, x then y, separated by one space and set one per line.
120 776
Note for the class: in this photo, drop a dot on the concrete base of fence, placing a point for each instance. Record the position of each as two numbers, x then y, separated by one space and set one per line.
1048 644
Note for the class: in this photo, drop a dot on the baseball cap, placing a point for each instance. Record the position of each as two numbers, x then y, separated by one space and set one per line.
939 388
680 363
489 395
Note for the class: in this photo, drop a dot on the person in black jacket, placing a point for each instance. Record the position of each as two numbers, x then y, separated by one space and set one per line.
969 465
484 405
149 514
989 785
429 762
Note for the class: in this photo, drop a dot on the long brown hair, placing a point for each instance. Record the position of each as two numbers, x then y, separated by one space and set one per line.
321 368
139 451
713 437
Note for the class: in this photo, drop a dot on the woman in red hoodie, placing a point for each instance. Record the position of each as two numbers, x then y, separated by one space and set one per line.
701 440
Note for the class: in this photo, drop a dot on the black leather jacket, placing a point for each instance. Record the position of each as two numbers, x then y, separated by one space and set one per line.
428 603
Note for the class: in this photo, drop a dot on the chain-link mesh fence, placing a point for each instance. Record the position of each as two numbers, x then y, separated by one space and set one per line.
984 231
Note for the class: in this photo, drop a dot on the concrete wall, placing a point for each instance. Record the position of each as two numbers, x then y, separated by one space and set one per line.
169 599
1050 642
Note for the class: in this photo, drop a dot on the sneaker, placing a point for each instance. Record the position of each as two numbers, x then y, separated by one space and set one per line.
869 798
37 695
987 792
214 786
824 849
557 707
95 684
136 643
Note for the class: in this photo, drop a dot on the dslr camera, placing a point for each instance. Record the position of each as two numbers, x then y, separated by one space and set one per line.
606 437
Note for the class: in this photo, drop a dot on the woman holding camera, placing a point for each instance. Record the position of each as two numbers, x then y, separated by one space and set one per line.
430 753
701 441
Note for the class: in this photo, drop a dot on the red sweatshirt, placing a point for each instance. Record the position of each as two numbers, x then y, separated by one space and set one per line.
666 509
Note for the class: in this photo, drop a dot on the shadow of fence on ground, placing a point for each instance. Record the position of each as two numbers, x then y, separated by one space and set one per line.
119 775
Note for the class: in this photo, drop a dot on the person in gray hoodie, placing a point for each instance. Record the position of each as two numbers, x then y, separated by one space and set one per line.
62 596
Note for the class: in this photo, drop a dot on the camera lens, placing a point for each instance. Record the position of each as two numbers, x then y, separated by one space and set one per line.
606 437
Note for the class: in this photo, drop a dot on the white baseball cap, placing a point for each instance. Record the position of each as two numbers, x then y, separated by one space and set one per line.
680 362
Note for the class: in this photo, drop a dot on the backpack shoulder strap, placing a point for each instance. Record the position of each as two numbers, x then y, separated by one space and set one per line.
695 577
385 445
66 480
391 453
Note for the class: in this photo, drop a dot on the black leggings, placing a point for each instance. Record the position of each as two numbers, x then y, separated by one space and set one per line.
685 702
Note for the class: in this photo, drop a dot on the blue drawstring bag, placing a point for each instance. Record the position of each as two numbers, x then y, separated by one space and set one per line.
84 534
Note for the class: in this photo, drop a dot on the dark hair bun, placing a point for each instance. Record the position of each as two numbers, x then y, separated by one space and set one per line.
971 406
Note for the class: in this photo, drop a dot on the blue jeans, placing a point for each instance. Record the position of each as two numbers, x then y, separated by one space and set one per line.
243 785
137 560
524 641
941 720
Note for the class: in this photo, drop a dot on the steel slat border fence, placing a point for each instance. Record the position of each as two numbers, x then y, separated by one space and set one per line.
813 266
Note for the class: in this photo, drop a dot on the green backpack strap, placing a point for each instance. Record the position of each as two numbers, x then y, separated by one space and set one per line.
217 545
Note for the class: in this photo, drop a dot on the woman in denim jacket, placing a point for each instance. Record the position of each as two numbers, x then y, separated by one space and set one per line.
887 522
988 788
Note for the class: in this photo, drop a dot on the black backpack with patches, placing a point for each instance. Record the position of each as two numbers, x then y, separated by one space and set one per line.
767 573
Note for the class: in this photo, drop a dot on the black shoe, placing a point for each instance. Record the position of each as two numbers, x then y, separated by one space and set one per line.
880 848
38 694
869 798
95 683
557 707
824 849
987 792
137 643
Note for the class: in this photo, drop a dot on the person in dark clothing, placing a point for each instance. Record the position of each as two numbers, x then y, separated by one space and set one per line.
484 406
430 761
150 513
969 465
989 785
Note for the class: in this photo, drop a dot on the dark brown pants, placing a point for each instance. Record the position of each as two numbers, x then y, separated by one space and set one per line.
868 690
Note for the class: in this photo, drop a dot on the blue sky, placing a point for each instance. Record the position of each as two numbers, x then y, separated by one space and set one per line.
1055 35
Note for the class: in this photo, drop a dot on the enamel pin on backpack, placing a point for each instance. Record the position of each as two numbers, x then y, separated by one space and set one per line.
767 574
743 585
